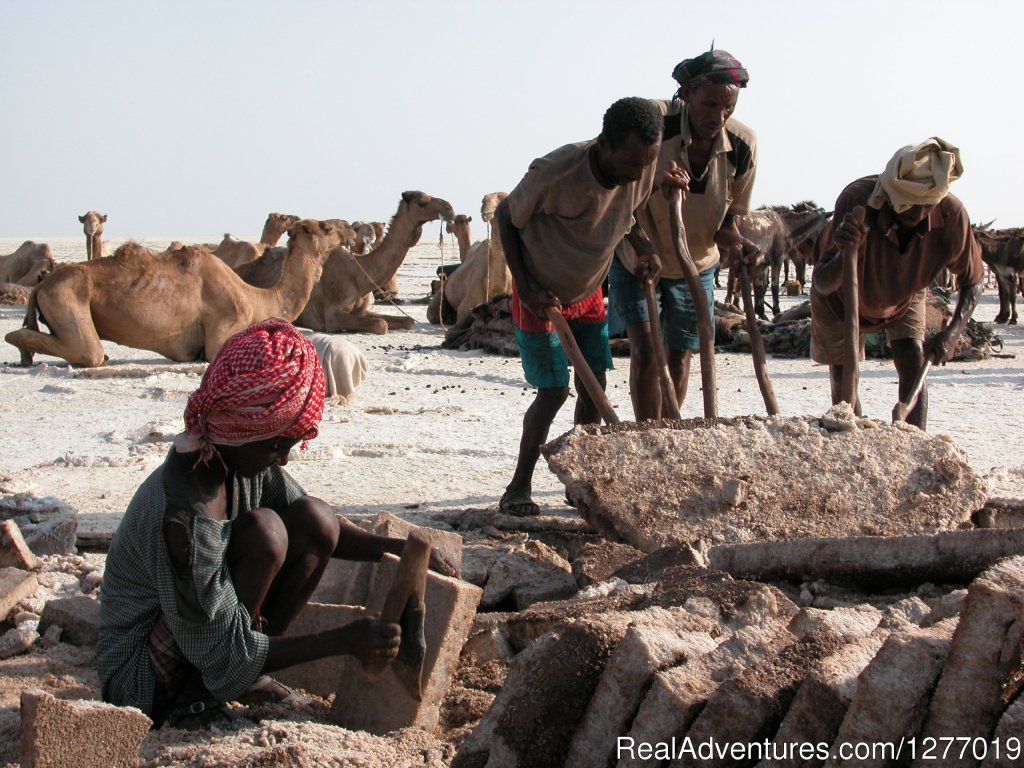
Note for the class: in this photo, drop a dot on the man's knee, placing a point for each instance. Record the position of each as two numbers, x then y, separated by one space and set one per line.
314 522
260 536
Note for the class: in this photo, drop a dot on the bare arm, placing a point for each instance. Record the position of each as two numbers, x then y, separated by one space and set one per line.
356 544
531 293
828 272
365 639
942 346
648 265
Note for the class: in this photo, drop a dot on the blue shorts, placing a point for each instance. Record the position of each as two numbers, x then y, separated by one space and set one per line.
678 314
545 363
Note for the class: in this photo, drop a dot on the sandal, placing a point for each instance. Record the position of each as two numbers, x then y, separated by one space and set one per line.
518 504
263 692
199 714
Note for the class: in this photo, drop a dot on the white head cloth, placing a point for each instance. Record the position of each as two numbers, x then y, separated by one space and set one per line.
918 175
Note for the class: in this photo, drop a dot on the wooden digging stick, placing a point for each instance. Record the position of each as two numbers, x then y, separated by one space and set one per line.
580 365
756 342
404 604
904 407
668 390
705 328
851 338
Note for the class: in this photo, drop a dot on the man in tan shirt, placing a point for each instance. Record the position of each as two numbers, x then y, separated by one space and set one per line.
558 228
913 229
719 154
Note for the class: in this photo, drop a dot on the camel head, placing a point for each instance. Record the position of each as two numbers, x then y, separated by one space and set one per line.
366 236
460 222
423 208
320 237
343 232
275 226
282 220
93 222
490 204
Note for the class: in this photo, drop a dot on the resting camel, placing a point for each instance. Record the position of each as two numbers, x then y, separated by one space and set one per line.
343 299
235 252
1003 251
93 234
181 304
27 265
482 276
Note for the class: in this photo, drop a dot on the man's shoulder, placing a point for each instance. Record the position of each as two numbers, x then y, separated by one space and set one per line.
740 131
953 207
859 190
565 158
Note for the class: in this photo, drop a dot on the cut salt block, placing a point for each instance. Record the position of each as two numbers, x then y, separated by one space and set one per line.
891 700
748 708
658 639
657 483
319 677
14 552
678 694
347 582
1009 737
381 706
985 654
821 704
15 586
541 714
86 734
78 616
872 561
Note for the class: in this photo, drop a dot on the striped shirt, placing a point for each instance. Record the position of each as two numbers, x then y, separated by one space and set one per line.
209 624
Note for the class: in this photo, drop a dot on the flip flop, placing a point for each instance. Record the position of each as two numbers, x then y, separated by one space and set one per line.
264 687
518 504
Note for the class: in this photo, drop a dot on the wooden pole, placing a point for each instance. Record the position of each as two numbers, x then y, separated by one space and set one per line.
705 328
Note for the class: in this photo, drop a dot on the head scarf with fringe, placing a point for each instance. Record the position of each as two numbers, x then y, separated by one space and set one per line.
711 67
918 175
267 381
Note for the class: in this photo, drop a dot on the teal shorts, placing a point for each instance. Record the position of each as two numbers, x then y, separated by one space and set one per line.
545 363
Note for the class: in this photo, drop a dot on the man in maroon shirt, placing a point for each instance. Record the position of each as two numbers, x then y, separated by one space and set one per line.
913 229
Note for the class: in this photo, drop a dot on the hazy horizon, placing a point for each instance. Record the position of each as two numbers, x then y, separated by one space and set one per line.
193 119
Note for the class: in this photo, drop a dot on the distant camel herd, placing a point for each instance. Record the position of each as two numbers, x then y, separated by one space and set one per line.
184 302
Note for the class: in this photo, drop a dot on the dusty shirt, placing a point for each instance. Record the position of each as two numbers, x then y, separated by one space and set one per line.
889 278
569 223
724 188
210 625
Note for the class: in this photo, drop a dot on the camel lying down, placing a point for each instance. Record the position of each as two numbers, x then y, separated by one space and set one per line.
182 304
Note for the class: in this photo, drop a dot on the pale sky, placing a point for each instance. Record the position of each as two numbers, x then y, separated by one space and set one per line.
192 118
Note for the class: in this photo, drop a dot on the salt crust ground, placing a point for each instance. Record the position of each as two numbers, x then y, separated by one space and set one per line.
429 430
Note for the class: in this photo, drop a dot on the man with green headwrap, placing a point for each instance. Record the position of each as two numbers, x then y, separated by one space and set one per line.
719 154
913 229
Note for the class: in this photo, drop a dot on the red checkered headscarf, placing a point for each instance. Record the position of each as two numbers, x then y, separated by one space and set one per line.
266 381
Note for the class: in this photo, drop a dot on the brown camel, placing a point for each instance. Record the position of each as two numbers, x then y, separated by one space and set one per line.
459 226
27 265
275 226
93 229
235 253
181 304
343 298
483 274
